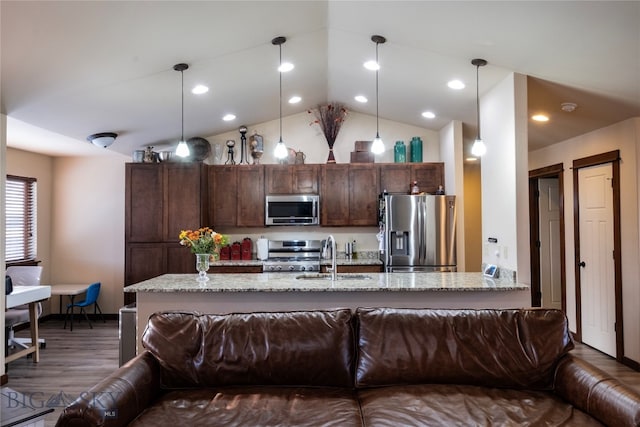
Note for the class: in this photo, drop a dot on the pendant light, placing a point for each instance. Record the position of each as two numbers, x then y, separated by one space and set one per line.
478 148
377 147
280 151
182 150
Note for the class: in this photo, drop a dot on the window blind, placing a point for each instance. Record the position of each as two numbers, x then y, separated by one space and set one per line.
20 212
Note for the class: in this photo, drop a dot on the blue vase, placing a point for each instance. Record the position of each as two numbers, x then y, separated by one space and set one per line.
416 149
400 152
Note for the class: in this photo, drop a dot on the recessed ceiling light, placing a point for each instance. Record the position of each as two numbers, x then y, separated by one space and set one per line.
428 115
199 89
568 107
294 99
540 118
471 159
456 84
361 98
285 67
371 65
229 117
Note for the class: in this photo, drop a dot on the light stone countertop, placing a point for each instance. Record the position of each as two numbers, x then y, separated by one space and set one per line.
288 282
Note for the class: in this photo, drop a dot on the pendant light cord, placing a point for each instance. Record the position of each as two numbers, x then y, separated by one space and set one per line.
478 99
280 72
377 120
182 128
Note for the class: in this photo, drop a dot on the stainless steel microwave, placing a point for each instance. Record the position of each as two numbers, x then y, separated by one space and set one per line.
292 209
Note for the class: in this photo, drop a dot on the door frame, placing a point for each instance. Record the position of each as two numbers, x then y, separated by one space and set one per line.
553 171
612 157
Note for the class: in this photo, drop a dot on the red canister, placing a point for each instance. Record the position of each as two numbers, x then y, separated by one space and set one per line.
247 248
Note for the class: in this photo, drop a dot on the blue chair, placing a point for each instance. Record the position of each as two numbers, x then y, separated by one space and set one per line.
91 298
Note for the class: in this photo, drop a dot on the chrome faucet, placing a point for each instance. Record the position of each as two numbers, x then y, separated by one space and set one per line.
334 268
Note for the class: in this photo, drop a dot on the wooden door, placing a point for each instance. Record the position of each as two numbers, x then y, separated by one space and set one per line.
550 254
250 210
144 203
334 200
597 272
183 194
363 194
223 189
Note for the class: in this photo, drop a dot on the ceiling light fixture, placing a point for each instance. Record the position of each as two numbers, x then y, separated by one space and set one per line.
103 139
199 89
568 107
540 117
478 149
428 115
294 99
456 84
229 117
377 147
280 151
182 150
361 98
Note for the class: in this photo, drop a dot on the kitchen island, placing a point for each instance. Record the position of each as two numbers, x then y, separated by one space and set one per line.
227 293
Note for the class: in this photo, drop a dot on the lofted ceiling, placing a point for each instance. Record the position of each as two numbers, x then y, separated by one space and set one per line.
71 69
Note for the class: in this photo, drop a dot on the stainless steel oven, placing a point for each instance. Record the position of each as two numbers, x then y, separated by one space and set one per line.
293 256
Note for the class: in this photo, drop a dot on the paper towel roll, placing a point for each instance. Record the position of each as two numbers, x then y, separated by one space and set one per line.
262 246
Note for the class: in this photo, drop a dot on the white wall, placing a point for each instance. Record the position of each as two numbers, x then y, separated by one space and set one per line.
504 190
3 180
625 137
87 238
298 133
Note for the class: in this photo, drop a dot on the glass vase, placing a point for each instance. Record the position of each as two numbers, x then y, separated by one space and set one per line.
202 265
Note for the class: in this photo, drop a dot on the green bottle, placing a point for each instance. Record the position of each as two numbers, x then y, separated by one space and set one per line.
400 152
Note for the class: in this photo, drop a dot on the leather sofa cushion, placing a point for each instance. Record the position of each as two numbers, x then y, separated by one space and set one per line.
303 348
248 406
496 348
464 405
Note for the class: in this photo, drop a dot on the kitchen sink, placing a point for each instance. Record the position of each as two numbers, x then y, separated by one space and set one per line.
327 276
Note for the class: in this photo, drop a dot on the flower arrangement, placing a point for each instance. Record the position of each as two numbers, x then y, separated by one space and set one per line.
203 240
330 118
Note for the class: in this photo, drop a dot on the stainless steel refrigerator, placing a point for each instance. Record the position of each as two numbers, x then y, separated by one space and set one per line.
419 232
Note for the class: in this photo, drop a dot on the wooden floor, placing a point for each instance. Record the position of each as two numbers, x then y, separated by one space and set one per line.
72 362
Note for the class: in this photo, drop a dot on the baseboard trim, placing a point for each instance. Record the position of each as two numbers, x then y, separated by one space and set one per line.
631 363
57 316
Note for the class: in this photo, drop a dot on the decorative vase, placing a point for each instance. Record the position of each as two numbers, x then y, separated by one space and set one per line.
202 265
331 158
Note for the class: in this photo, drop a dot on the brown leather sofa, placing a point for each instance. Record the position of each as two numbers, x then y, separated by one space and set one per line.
374 367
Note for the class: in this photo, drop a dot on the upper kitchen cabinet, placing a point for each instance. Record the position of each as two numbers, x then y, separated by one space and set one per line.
349 195
291 179
223 193
236 195
162 199
397 177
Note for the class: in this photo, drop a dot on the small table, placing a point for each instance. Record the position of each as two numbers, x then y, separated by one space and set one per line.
28 295
71 291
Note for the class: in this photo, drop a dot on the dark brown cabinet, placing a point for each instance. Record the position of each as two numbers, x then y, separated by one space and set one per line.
349 194
160 201
397 177
236 196
291 179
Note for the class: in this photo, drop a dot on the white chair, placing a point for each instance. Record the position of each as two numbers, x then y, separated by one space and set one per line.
22 276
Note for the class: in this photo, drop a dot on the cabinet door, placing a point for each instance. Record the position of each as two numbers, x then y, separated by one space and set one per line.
334 202
278 179
395 177
143 201
223 192
304 179
428 175
363 194
180 260
250 196
144 261
183 194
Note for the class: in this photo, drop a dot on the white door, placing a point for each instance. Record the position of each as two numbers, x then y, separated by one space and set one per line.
550 262
597 274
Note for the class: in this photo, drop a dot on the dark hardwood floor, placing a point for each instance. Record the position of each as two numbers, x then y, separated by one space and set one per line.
72 362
